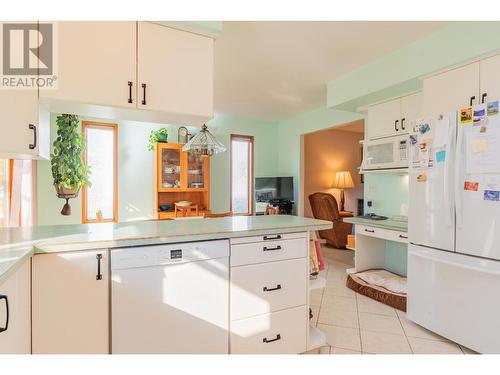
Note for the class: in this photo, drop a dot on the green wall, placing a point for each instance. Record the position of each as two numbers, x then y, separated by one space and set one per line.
136 164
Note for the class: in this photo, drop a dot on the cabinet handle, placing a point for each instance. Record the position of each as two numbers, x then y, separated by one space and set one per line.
32 146
99 274
267 341
266 289
271 248
396 125
4 297
401 236
483 97
130 92
143 94
277 237
472 98
403 123
370 230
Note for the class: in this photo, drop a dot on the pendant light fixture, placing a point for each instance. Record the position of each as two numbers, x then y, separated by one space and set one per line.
204 143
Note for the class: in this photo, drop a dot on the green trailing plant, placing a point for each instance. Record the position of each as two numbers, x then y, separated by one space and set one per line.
160 135
68 169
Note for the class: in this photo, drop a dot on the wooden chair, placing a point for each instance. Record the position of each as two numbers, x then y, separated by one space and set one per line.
270 210
99 216
224 214
186 210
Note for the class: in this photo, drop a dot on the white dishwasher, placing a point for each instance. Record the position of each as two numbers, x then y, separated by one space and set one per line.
170 298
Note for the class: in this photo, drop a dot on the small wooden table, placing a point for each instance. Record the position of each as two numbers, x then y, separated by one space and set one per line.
185 210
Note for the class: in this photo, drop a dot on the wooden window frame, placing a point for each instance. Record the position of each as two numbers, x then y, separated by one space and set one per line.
93 124
250 140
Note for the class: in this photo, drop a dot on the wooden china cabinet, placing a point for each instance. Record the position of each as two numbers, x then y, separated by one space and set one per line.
180 176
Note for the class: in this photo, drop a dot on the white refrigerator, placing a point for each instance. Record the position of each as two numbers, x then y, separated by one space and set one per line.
454 226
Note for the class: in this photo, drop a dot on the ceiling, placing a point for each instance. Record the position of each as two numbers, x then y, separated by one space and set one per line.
274 70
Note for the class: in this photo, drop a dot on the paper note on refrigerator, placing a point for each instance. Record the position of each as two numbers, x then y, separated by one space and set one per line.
441 128
483 151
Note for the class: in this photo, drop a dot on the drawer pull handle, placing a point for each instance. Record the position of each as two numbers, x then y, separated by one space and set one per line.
266 289
401 236
267 341
277 237
6 326
369 230
271 248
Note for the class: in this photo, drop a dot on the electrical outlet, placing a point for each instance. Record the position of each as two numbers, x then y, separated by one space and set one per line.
369 203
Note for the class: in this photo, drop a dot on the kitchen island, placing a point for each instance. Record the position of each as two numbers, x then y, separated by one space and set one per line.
72 283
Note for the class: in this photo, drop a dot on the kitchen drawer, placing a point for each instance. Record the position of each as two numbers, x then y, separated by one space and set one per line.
268 251
282 332
386 234
268 287
268 237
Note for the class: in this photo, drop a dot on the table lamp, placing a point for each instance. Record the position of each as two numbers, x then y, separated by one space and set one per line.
343 180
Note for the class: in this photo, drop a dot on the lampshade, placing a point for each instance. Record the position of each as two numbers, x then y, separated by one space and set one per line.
343 180
204 143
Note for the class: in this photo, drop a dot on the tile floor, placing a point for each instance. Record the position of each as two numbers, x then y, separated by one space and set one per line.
356 324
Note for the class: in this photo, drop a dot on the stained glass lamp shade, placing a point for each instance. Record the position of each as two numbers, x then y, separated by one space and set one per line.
204 143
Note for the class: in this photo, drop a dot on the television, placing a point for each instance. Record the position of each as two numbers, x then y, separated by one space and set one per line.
273 188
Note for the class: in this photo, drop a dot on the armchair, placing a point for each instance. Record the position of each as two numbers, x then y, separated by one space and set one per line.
324 207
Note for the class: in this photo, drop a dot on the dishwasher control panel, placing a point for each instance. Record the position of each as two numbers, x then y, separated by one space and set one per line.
158 255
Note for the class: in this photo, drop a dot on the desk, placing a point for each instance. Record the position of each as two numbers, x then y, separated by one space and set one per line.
370 241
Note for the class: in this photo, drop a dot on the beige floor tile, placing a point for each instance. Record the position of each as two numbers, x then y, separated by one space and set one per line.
343 351
384 343
315 297
414 330
424 346
371 306
331 301
467 350
337 288
343 317
380 323
342 337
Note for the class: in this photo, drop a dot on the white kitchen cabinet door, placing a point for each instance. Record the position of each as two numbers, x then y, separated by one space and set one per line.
490 78
411 109
15 292
451 90
384 119
96 62
24 129
177 69
71 303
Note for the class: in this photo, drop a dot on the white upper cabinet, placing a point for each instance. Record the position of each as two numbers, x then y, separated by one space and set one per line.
71 303
96 62
490 79
24 132
15 306
411 109
384 119
451 90
175 71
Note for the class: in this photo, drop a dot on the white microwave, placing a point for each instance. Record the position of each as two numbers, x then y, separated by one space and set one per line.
386 153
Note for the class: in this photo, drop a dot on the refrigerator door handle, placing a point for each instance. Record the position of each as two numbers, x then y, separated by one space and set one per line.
447 172
458 202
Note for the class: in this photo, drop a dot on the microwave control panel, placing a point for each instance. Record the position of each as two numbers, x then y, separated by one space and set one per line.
403 150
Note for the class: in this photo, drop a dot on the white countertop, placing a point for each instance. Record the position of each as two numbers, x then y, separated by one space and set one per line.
18 243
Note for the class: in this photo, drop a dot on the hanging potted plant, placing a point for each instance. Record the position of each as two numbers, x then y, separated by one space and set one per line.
160 135
68 169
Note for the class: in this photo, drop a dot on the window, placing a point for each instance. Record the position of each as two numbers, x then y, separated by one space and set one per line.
241 174
100 200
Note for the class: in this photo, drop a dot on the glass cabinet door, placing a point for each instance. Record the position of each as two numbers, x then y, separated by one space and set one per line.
170 168
196 171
